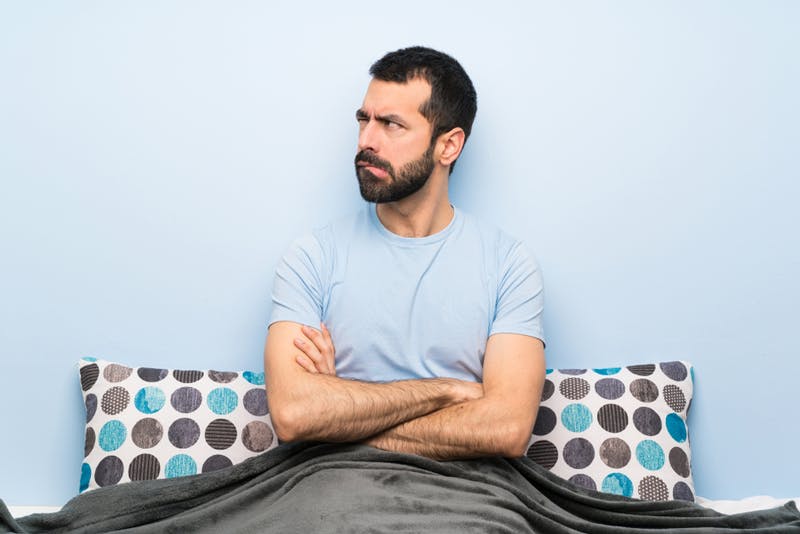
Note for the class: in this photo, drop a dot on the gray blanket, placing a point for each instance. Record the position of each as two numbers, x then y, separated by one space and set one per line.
310 488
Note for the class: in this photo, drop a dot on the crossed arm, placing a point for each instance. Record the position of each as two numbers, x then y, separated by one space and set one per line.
440 418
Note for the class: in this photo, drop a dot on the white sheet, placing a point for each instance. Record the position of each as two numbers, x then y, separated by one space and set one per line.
758 502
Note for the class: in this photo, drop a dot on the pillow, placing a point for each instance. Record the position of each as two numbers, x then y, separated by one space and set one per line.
144 423
618 430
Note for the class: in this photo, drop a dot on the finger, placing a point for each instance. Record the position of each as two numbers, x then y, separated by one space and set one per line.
311 353
325 348
329 342
306 364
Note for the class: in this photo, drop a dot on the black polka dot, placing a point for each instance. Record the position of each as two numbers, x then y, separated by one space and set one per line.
187 377
610 388
548 389
147 433
220 434
89 442
257 436
682 492
149 374
652 488
642 370
584 481
222 377
647 421
543 453
546 421
644 390
91 406
578 453
675 370
674 397
184 433
216 462
115 400
109 471
574 388
612 417
186 399
144 467
572 371
615 453
679 461
89 374
255 401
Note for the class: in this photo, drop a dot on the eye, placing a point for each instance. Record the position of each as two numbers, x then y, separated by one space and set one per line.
391 125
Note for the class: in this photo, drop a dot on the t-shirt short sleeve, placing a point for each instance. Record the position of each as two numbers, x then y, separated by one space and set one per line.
298 290
520 295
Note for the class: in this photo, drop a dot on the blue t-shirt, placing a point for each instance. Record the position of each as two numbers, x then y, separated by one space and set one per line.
399 307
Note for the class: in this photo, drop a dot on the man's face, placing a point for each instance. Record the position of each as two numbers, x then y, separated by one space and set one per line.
395 152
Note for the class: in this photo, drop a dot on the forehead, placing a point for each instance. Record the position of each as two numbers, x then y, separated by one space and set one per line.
384 98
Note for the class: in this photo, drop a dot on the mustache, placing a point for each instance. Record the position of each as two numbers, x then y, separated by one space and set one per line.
368 156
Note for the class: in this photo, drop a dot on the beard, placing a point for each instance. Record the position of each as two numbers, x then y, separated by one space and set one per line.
398 185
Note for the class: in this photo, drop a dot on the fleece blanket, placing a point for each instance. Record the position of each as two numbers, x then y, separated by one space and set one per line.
320 488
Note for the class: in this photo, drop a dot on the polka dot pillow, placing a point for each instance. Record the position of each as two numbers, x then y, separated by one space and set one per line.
618 430
144 423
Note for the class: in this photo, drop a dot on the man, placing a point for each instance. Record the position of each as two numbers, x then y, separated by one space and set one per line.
435 317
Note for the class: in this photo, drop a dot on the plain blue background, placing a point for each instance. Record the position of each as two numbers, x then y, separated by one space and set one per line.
158 157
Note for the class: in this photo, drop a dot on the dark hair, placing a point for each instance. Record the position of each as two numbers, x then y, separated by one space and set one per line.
453 102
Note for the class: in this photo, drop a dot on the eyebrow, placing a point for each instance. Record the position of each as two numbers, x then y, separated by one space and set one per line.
391 117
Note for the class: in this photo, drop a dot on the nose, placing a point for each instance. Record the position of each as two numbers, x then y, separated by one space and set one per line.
368 136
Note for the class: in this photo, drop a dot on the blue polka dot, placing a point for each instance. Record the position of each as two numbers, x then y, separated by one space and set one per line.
89 359
607 371
650 455
180 465
618 484
112 435
691 373
86 476
576 417
150 399
676 427
257 379
222 401
548 371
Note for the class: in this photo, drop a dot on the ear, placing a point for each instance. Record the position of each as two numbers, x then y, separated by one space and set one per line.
450 144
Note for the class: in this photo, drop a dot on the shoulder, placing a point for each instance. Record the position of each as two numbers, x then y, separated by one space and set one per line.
323 242
497 243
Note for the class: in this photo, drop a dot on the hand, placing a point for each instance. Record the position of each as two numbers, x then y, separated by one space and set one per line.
319 354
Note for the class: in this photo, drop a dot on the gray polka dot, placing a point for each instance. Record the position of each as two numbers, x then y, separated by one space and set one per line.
546 421
584 481
644 390
149 374
679 461
220 434
186 399
222 377
543 453
615 453
610 388
548 389
574 388
91 406
578 453
216 462
89 374
109 471
642 370
187 377
674 397
115 400
647 421
144 467
682 492
612 417
116 373
147 433
652 488
183 433
675 370
88 444
572 371
257 436
255 401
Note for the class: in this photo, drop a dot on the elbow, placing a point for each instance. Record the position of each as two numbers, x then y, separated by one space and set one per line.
288 426
516 441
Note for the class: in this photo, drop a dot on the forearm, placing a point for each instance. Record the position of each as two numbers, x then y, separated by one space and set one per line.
471 429
327 408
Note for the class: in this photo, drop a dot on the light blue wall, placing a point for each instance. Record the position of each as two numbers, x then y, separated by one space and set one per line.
157 158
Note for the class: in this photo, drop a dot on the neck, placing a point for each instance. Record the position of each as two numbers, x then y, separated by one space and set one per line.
424 213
